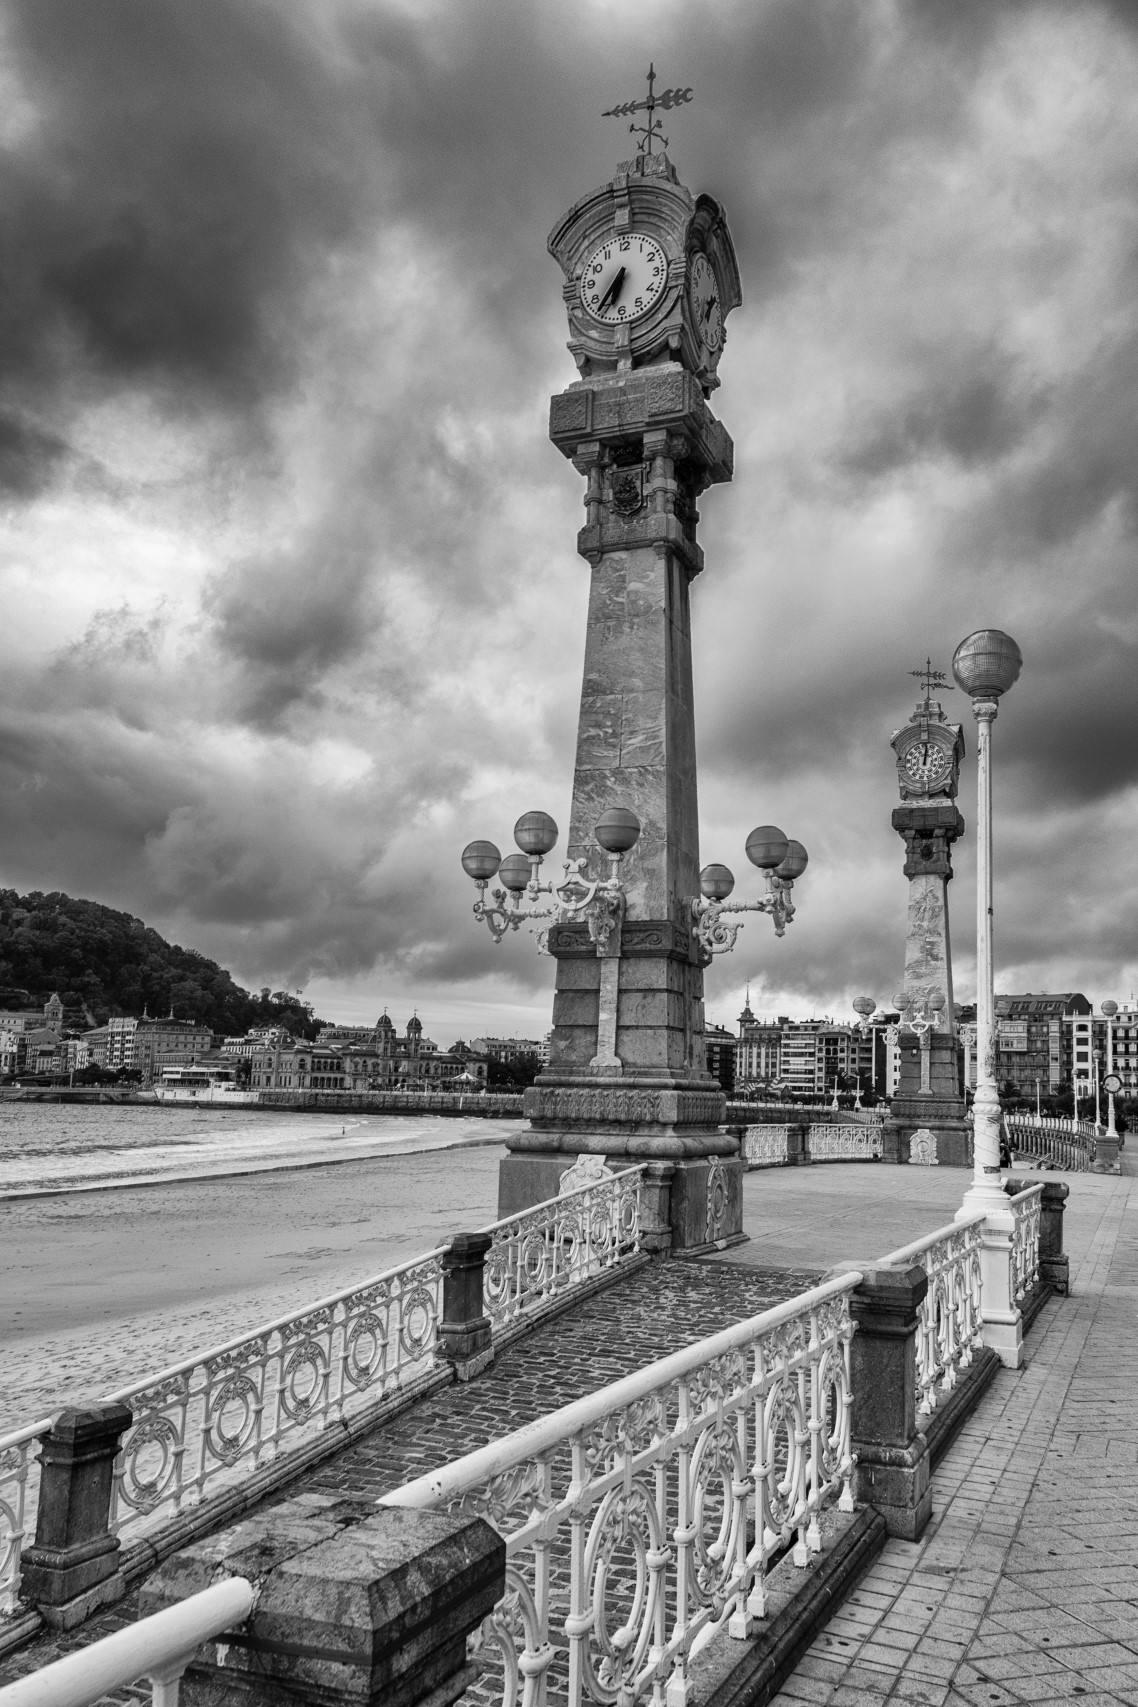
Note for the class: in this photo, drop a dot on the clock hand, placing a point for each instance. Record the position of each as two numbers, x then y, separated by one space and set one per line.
707 308
614 289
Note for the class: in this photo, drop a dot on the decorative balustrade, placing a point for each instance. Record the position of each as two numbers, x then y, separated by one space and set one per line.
237 1404
546 1250
844 1143
950 1322
1026 1206
766 1145
643 1517
16 1509
1052 1139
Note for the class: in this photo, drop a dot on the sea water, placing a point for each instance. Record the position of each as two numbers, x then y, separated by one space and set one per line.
72 1146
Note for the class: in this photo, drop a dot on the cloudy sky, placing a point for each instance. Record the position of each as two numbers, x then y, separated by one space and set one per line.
291 607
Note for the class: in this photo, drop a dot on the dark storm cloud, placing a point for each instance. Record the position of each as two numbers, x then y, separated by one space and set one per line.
278 278
176 185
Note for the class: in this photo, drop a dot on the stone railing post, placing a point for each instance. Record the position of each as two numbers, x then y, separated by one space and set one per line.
73 1566
464 1331
797 1150
656 1207
1054 1265
893 1465
372 1611
1000 1315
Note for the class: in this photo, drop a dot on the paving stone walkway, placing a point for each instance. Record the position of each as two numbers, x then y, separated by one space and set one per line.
1025 1586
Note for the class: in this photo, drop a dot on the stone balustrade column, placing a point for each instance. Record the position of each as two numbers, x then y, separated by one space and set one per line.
465 1331
893 1466
1000 1315
73 1567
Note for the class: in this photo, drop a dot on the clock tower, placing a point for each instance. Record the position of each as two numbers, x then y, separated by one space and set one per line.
649 278
929 1102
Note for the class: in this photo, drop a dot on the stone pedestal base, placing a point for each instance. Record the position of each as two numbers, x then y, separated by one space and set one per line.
943 1121
688 1206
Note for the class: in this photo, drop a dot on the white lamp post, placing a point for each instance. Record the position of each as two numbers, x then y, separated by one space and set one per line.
985 666
1110 1009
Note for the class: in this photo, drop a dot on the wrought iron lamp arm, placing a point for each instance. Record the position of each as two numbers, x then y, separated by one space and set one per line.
715 937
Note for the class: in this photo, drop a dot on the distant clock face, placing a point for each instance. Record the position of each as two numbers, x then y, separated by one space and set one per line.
926 762
703 289
623 278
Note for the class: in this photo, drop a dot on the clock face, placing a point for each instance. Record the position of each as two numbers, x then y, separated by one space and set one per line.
623 278
703 290
926 762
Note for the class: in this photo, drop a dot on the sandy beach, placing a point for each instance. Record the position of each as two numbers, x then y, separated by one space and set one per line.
99 1288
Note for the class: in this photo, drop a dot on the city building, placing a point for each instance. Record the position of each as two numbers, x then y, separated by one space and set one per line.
720 1045
1043 1040
810 1057
507 1049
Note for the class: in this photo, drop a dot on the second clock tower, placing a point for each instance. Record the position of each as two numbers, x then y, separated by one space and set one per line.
927 1116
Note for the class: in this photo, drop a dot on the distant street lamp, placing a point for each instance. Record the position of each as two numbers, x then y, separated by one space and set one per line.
1113 1082
1097 1053
985 665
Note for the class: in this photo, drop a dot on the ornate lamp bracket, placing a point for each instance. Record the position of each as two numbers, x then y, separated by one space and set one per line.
598 901
780 861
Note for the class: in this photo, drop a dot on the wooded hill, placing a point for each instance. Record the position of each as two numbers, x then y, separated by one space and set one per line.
115 963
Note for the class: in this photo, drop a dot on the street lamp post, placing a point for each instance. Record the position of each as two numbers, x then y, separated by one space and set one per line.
985 665
1097 1053
1110 1009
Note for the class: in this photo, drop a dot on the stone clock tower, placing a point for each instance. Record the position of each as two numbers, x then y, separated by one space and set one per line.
929 1100
650 277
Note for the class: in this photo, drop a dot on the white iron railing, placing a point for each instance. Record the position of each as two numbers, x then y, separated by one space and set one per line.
844 1143
641 1518
159 1648
1051 1139
239 1403
547 1250
1026 1206
950 1323
765 1144
16 1463
219 1415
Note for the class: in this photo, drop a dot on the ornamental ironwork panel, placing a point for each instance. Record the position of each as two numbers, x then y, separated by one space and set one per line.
637 1526
766 1145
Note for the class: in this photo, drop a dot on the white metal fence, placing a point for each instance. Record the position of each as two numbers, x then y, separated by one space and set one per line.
1027 1208
950 1323
844 1143
639 1519
548 1250
765 1145
1053 1139
220 1415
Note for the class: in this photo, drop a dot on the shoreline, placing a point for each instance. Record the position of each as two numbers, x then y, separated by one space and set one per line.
134 1182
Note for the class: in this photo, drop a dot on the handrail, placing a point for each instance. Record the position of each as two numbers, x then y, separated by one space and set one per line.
920 1246
278 1322
544 1432
159 1647
21 1436
561 1199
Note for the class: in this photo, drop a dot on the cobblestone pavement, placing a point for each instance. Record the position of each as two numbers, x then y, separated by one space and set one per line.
1025 1586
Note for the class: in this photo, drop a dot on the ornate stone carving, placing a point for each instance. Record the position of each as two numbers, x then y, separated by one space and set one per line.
922 1148
586 1170
716 1201
624 1104
628 491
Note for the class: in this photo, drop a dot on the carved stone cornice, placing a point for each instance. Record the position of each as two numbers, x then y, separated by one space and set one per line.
623 1105
641 939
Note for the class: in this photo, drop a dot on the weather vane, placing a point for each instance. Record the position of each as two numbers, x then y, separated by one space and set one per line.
653 130
931 679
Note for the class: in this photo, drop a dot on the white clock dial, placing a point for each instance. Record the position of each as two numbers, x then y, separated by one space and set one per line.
623 278
926 762
703 289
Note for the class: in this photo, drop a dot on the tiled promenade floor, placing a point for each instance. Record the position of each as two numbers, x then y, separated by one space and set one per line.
1025 1586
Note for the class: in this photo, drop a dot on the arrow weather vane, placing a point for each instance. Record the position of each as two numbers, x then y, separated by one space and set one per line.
653 130
931 679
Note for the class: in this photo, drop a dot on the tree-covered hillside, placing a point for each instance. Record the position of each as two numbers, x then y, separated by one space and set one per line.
115 964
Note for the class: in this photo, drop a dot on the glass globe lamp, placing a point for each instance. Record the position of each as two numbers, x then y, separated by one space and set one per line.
716 882
767 847
617 829
535 832
481 860
987 663
514 873
795 861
